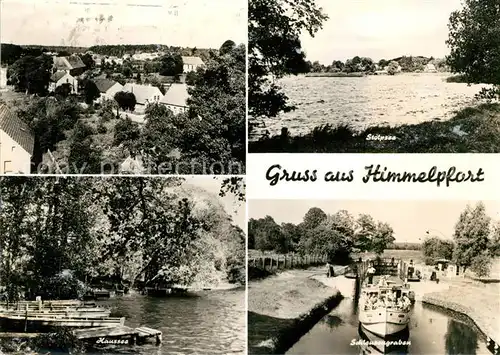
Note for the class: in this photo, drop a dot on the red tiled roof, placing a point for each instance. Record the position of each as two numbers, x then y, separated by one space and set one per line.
16 129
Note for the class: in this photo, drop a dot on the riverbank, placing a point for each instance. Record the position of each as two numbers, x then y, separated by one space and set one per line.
479 302
471 130
283 307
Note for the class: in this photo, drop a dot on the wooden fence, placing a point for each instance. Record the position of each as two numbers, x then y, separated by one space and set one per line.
282 262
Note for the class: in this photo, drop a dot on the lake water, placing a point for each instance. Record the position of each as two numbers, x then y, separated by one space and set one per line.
370 100
211 322
432 331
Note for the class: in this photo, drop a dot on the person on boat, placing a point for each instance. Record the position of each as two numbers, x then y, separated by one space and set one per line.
370 272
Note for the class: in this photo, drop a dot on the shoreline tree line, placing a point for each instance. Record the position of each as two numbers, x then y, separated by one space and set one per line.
408 64
59 236
336 235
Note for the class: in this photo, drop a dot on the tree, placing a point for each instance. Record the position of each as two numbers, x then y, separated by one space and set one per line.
494 241
84 157
383 237
274 50
63 90
474 41
212 133
481 264
127 71
367 65
126 100
31 74
313 218
49 119
338 65
128 134
383 63
332 237
10 53
88 61
366 228
227 47
191 78
393 68
171 65
471 234
435 248
90 91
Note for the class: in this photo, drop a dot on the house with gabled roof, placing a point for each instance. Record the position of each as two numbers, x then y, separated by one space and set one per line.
72 65
17 143
191 63
108 88
144 95
62 77
176 98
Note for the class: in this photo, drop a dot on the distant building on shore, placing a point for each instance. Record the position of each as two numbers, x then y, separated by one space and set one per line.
16 143
430 68
192 63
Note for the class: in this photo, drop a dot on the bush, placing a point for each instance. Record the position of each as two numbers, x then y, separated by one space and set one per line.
101 128
62 340
64 286
481 265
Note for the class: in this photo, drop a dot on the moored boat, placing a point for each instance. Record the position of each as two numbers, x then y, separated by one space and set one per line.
385 308
21 322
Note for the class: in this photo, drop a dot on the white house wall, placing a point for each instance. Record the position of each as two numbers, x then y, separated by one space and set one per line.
13 158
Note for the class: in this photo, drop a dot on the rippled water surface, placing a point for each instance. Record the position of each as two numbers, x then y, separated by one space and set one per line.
206 323
432 331
361 102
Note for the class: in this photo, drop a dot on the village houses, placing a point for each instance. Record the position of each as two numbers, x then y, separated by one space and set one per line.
72 65
16 143
144 95
176 98
60 78
65 71
108 89
191 63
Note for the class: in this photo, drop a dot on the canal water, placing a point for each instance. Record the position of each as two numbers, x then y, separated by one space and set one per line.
211 322
432 331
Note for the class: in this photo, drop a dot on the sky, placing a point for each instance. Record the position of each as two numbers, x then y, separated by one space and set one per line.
186 23
382 29
235 208
409 219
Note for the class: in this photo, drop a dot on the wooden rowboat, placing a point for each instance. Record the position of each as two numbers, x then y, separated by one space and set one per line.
29 321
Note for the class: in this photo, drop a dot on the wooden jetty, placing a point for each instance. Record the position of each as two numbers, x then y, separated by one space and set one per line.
121 335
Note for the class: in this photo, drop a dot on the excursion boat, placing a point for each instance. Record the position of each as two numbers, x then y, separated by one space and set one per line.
385 308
